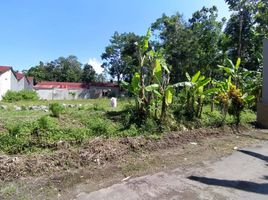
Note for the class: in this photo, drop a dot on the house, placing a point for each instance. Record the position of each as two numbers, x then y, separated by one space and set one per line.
9 80
24 82
68 90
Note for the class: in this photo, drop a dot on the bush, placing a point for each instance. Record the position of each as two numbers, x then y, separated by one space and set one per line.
14 129
27 95
56 109
45 122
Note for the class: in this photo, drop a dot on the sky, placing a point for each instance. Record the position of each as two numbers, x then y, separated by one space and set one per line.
43 30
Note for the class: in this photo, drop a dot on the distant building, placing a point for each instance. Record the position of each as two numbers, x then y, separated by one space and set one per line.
9 80
68 90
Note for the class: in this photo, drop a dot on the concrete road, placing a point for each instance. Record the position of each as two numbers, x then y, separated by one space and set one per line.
242 175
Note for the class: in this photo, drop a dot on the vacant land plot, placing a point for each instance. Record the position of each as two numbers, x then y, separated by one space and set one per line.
24 128
27 127
90 135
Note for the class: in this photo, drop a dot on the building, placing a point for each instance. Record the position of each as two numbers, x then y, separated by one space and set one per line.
9 80
24 82
68 90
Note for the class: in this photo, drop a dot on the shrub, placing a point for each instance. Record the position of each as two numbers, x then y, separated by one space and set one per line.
132 131
44 123
237 103
14 129
56 109
27 95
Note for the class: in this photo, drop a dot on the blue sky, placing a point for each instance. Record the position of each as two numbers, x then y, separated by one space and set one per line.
42 30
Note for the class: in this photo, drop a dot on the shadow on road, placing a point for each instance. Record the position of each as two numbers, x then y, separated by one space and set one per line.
240 185
256 155
261 188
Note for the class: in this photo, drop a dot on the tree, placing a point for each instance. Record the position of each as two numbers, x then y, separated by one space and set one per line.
191 46
61 69
88 74
261 18
67 69
242 41
207 30
41 72
150 85
178 43
120 56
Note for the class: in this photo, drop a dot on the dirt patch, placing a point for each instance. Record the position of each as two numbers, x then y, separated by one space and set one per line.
103 162
97 152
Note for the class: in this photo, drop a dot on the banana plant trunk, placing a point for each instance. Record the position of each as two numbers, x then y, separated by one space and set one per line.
164 108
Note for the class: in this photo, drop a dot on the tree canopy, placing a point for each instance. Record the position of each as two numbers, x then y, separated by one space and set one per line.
199 43
63 69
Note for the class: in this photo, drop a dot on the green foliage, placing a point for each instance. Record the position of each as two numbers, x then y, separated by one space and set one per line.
157 73
72 94
237 102
121 60
14 129
194 94
88 74
45 123
150 85
232 100
31 131
56 109
191 46
23 95
63 69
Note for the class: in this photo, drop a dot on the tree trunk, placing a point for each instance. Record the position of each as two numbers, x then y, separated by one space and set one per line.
212 106
240 34
164 108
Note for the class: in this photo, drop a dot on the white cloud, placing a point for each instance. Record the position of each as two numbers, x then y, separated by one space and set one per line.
96 65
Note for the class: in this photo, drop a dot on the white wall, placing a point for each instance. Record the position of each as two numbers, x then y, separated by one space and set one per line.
28 86
44 93
14 82
60 94
5 83
64 94
23 84
8 81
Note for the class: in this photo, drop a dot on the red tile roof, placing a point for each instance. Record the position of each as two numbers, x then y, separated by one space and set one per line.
71 85
4 69
19 75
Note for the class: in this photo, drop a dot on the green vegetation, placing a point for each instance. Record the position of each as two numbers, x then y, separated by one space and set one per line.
182 78
29 131
56 109
26 95
154 94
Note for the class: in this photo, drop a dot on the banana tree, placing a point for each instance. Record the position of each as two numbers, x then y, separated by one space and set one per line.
150 85
163 92
237 73
195 93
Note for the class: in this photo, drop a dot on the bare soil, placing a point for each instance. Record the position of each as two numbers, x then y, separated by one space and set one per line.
101 162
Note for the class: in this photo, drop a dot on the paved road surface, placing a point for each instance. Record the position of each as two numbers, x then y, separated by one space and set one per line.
240 176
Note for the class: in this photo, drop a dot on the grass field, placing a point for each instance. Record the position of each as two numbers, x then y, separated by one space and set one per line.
29 131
